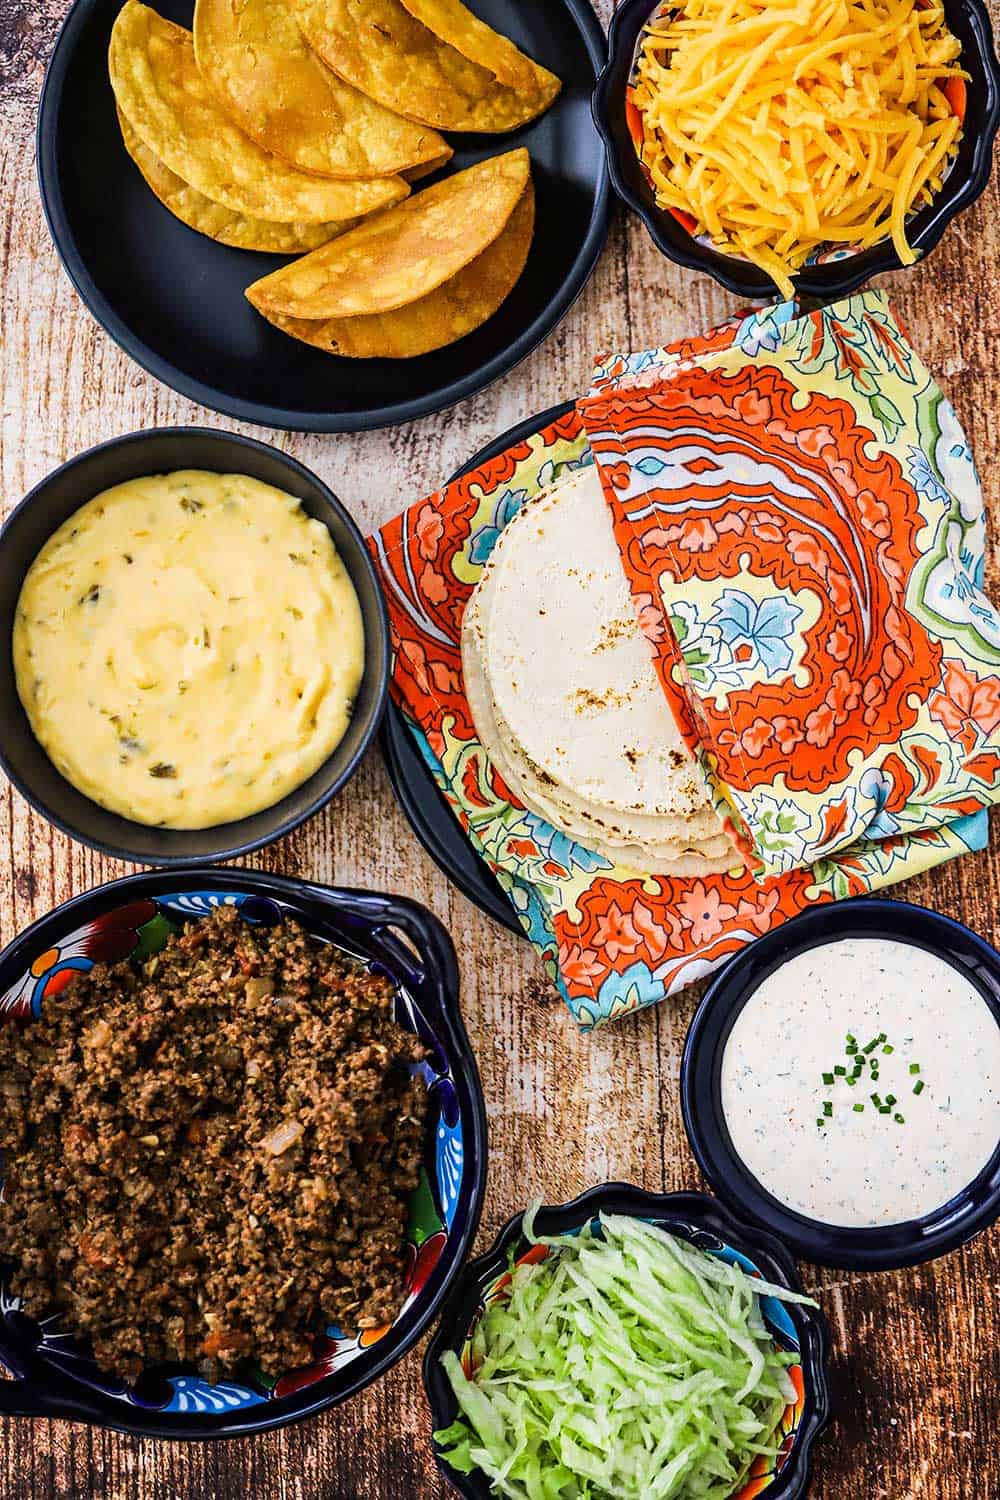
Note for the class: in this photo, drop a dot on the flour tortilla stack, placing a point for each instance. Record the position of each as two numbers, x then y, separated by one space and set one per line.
565 697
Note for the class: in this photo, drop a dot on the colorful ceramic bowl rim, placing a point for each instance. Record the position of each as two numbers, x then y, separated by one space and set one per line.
832 279
159 450
54 1378
703 1221
882 1249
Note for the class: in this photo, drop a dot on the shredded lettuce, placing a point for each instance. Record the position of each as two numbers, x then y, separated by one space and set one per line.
629 1365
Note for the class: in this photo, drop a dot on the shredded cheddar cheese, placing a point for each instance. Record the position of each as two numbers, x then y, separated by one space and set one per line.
784 129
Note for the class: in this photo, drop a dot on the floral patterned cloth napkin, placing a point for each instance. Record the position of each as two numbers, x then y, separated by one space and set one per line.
613 940
803 531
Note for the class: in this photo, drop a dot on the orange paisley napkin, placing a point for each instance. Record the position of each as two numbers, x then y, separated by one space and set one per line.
802 529
615 940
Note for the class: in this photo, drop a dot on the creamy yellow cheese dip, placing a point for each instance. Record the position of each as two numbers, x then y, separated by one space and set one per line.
188 648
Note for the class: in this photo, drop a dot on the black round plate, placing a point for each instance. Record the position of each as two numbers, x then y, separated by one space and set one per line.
431 819
174 301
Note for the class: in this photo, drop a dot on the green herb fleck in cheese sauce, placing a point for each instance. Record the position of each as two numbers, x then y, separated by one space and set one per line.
791 1106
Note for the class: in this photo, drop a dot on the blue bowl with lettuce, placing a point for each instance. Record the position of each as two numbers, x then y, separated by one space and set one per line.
623 1338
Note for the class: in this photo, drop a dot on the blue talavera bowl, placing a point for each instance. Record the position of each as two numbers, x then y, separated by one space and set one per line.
137 455
54 1374
703 1222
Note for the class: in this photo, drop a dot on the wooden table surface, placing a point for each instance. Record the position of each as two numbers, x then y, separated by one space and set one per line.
917 1354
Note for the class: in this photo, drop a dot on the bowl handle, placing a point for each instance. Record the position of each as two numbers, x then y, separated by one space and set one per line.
435 951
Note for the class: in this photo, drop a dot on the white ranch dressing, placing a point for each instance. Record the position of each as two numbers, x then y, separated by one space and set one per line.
864 1169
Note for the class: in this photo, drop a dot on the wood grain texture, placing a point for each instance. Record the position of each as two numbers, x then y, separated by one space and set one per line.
917 1370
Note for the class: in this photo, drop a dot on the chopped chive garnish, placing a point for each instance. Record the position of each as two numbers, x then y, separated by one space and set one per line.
852 1080
828 1079
899 1119
914 1067
874 1072
875 1100
886 1109
870 1047
859 1109
840 1070
821 1123
919 1086
887 1049
890 1099
827 1108
851 1038
851 1048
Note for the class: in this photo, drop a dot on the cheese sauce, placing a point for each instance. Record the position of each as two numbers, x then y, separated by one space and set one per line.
188 648
861 1083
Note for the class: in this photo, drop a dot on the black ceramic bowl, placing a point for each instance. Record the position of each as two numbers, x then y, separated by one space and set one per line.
884 1248
156 452
968 19
706 1224
53 1374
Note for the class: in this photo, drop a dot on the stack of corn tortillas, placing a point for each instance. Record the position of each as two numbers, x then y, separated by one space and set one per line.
565 698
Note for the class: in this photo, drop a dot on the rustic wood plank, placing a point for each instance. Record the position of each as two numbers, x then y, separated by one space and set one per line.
917 1369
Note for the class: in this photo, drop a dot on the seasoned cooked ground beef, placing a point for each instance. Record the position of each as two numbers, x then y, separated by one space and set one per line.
207 1157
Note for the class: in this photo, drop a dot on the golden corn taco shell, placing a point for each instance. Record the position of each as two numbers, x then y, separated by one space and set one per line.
258 64
381 49
220 223
396 257
443 316
454 23
170 107
414 174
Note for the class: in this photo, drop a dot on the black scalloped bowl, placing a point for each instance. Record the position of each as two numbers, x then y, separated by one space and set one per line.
888 1247
706 1224
159 451
970 22
54 1376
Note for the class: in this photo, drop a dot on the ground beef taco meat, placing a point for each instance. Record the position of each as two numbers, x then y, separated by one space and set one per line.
207 1157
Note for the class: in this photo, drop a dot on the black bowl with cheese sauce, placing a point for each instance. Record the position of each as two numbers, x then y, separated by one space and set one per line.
899 1088
43 511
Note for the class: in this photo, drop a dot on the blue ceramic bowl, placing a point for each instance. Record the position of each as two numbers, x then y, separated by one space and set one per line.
885 1248
134 456
54 1375
706 1224
832 278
